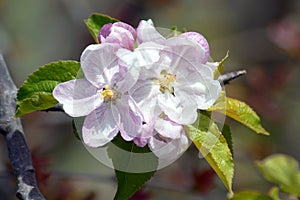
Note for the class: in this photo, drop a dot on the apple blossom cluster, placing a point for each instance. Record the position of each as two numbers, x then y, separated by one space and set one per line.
141 85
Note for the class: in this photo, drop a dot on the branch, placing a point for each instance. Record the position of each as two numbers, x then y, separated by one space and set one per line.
226 78
11 129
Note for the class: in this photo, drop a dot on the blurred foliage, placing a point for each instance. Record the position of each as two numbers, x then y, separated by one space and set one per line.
279 169
282 170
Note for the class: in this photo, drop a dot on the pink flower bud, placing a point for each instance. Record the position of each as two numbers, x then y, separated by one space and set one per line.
200 40
118 33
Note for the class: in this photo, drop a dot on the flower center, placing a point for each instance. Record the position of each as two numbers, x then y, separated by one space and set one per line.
110 94
107 92
166 82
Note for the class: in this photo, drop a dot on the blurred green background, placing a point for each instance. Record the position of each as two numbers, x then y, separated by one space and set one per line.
263 37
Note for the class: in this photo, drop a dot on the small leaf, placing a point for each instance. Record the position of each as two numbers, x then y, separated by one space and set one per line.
247 195
129 166
214 148
220 67
240 112
95 23
173 32
36 92
282 170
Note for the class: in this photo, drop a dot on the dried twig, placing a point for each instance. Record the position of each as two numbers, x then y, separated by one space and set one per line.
226 78
11 129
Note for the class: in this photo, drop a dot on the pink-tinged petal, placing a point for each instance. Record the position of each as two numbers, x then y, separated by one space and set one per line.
147 131
127 27
200 40
99 64
100 126
199 89
79 97
132 73
184 69
140 141
145 95
130 78
104 32
187 75
146 55
131 118
135 111
212 65
182 50
181 112
168 129
212 93
146 32
168 150
118 33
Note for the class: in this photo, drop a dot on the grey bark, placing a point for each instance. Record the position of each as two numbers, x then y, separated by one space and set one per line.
11 129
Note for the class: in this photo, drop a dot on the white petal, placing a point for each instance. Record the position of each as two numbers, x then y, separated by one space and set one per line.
213 92
186 69
146 32
129 80
182 112
147 131
199 40
131 118
101 126
167 128
184 49
99 63
204 92
169 151
143 56
212 65
145 94
79 97
126 59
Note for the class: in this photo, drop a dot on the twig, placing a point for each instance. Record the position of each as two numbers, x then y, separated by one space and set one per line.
11 129
226 78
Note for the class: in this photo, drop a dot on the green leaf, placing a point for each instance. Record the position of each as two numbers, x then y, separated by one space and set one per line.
95 23
240 112
214 148
227 135
134 166
274 193
282 170
247 195
36 92
220 67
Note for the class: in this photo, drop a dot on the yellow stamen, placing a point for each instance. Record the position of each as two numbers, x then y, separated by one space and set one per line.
166 81
107 92
170 78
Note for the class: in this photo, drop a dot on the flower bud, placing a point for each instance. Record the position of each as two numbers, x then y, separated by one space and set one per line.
118 33
200 40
